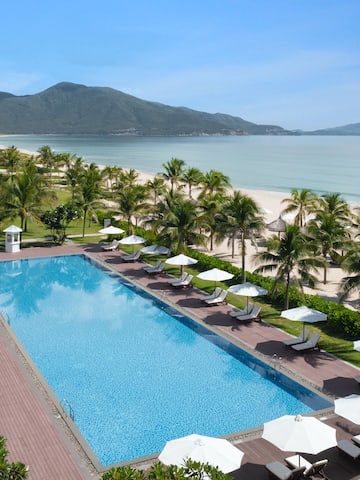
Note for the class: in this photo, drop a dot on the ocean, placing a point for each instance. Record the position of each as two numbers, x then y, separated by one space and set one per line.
272 163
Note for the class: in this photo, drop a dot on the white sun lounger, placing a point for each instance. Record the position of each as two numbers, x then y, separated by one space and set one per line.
244 311
177 280
309 345
110 246
303 336
253 315
219 299
132 257
184 283
215 294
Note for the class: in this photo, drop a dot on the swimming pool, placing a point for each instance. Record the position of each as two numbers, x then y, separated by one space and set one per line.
135 372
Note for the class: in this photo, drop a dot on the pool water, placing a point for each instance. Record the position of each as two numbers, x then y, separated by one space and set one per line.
135 372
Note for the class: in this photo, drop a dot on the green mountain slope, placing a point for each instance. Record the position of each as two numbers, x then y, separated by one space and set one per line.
351 129
70 108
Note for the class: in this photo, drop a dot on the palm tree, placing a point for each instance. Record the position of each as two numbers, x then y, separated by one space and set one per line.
329 234
334 203
132 200
290 257
302 202
180 224
351 264
173 171
89 189
27 194
157 186
73 176
211 207
241 217
215 182
192 177
11 156
47 157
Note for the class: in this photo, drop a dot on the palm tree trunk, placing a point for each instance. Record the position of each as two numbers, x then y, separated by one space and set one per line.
243 252
287 291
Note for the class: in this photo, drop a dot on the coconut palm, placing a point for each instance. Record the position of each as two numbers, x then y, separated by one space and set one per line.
47 157
302 202
333 203
290 257
351 264
211 207
192 177
215 182
132 201
11 156
241 218
27 195
157 186
174 170
89 190
329 234
73 175
180 224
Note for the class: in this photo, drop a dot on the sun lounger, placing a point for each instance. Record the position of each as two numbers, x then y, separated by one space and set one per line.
156 269
302 338
279 471
309 345
110 246
219 299
349 449
177 280
311 469
183 283
131 257
244 311
215 294
253 315
151 267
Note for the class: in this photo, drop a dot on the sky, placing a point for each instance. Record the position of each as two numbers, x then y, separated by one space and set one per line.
293 63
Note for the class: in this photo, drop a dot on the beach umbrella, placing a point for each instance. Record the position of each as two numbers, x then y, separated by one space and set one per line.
278 225
155 250
132 240
111 230
304 314
217 452
357 345
181 260
348 407
295 433
215 275
247 290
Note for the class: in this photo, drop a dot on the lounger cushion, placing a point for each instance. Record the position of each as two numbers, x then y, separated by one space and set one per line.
281 472
345 446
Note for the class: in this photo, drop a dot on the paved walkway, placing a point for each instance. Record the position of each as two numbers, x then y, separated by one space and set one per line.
37 437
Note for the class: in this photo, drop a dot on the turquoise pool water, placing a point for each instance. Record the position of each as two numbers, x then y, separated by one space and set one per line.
135 372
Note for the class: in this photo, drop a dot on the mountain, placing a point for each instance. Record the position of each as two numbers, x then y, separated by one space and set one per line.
68 108
351 129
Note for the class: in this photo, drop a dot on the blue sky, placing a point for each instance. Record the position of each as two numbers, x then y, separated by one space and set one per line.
294 63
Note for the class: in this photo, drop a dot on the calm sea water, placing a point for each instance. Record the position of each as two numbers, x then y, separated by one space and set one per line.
274 163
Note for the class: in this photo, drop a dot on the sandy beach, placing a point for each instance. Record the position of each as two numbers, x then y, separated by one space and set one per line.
272 206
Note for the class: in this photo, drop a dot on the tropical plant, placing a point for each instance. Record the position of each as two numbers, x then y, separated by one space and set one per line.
11 157
192 177
333 203
157 186
47 157
13 470
74 174
132 201
215 182
89 190
27 195
174 170
302 203
211 207
179 223
289 255
241 218
59 219
351 264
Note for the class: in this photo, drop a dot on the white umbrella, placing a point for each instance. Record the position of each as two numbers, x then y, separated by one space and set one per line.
216 275
304 314
247 290
132 240
348 407
182 260
357 345
155 250
294 433
218 452
111 230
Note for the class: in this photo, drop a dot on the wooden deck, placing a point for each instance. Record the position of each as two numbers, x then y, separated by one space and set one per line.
37 436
